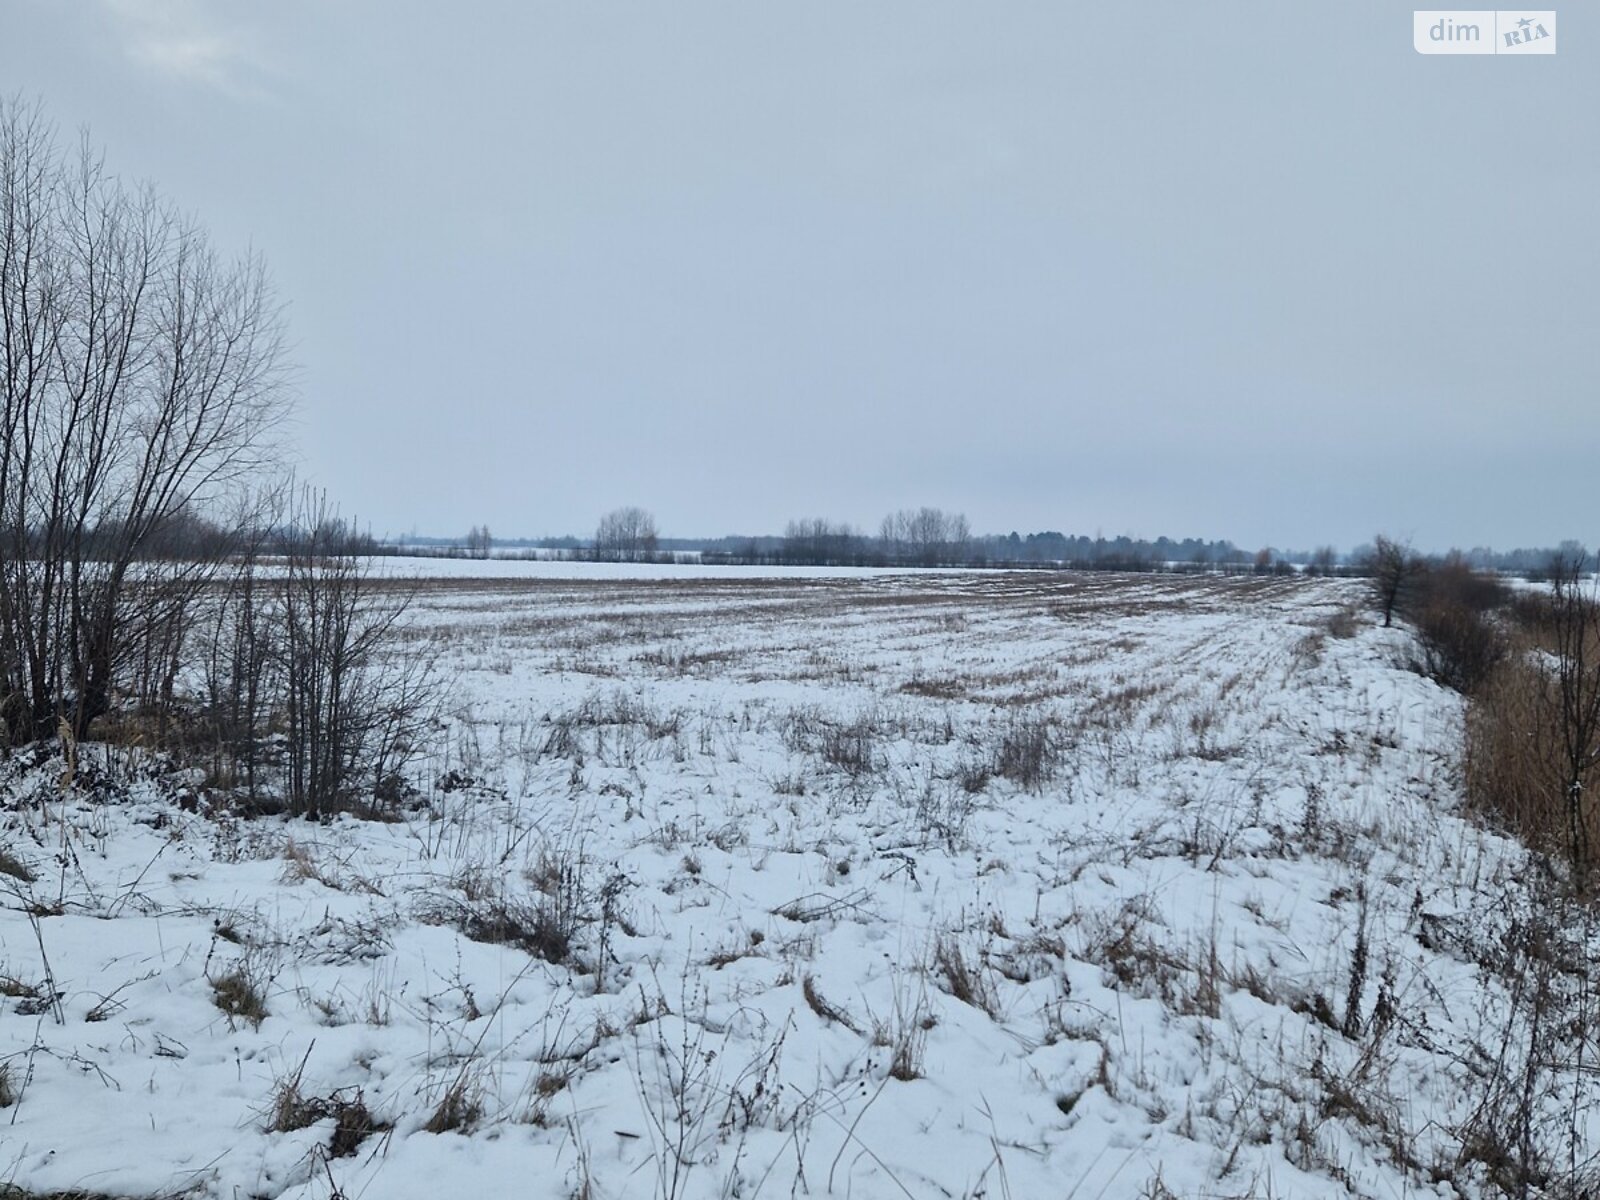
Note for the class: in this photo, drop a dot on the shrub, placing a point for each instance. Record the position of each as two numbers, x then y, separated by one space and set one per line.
355 711
1533 732
1457 584
1459 646
1456 613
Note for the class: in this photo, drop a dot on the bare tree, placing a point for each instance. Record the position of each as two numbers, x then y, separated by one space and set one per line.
891 537
479 542
626 535
1393 569
925 536
141 374
957 538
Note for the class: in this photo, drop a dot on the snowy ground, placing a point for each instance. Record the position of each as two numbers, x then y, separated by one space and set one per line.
1009 885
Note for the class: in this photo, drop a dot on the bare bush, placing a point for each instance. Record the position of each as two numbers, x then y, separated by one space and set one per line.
241 680
1454 611
1575 635
1543 956
1457 646
1533 729
355 714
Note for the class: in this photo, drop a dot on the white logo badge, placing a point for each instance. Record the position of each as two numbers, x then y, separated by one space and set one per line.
1483 31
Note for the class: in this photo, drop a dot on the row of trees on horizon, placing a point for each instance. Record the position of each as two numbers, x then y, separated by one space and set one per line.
931 536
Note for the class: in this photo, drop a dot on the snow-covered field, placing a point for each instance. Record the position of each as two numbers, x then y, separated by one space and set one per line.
1008 885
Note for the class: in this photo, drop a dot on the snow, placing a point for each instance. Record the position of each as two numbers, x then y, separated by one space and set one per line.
765 796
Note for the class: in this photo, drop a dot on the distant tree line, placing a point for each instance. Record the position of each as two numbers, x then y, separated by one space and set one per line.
932 537
928 537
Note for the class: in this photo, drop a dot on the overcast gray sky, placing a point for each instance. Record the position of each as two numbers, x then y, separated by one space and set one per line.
1250 270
